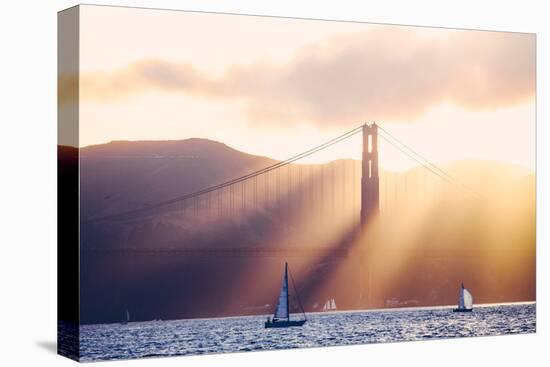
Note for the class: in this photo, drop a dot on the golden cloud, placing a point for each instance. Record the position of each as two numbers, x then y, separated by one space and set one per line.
387 73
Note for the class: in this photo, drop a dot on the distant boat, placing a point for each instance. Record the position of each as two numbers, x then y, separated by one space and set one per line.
127 317
330 305
465 300
281 318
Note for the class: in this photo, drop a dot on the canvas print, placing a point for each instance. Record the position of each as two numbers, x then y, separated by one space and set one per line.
243 183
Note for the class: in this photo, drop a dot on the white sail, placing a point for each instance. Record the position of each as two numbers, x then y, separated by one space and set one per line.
461 298
330 305
468 300
127 316
281 312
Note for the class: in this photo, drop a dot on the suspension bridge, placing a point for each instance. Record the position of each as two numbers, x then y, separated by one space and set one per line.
298 201
315 214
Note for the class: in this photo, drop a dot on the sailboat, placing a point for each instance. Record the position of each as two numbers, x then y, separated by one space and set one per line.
330 305
465 300
127 317
281 318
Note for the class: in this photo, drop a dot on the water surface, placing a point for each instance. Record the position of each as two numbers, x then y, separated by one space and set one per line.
200 336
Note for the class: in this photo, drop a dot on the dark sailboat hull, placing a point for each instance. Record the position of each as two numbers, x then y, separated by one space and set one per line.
283 323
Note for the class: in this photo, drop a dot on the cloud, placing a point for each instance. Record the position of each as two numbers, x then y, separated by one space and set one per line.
389 73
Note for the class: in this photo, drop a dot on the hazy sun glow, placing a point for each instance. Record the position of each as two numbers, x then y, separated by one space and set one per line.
244 81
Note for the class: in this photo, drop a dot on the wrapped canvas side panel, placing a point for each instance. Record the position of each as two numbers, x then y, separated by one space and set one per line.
68 238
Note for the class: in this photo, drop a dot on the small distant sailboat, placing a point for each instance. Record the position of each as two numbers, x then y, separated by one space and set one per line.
281 318
127 317
330 305
465 300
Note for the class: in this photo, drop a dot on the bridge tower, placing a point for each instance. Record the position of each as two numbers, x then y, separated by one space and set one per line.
370 185
370 208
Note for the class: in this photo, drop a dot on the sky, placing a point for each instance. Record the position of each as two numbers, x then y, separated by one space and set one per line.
276 87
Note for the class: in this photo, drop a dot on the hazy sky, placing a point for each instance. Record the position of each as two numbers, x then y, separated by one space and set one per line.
276 87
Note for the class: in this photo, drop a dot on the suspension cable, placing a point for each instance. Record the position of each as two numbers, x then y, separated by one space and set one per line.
427 164
235 180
